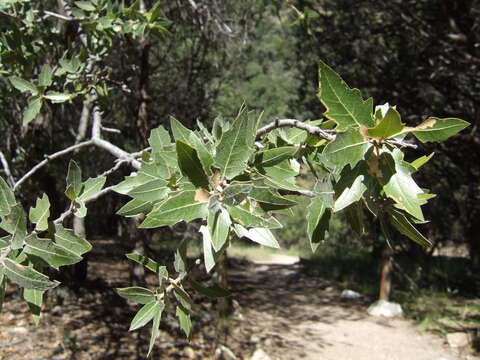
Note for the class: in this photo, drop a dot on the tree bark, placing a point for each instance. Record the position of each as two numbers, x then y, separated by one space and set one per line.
386 263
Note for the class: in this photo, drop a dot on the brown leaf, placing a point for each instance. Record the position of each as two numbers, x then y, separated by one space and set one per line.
202 195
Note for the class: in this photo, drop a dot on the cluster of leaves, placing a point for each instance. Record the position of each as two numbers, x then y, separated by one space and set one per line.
72 75
29 248
234 179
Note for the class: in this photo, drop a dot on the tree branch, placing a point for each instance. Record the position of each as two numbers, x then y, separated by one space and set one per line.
6 168
51 157
314 130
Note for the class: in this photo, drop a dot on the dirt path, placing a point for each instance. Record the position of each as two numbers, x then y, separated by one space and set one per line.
291 316
279 309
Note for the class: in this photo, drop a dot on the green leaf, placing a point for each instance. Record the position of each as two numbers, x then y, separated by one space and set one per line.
34 299
50 252
182 206
318 222
159 139
218 222
319 212
27 277
23 85
143 260
71 242
214 291
85 5
247 219
281 176
7 198
135 207
156 326
400 222
436 129
401 187
45 77
136 294
275 156
354 214
390 125
185 322
92 187
418 163
152 191
134 181
15 224
208 254
270 199
259 235
57 98
32 110
190 165
347 148
182 296
179 131
236 145
74 180
345 106
180 262
40 213
236 192
145 314
350 195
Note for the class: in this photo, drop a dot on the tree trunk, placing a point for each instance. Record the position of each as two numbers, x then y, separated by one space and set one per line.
386 263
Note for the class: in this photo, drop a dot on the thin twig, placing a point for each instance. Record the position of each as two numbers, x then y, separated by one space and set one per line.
51 157
314 130
6 168
401 143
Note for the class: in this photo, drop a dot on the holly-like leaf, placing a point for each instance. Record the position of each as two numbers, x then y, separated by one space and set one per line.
136 294
145 314
23 85
33 108
15 224
159 139
152 191
319 212
180 207
389 126
348 148
68 240
351 194
275 156
27 277
236 192
218 222
150 264
50 252
34 299
92 187
190 165
135 207
40 213
401 223
258 235
208 253
269 199
74 180
344 105
185 322
7 198
436 129
401 187
236 145
247 219
418 163
45 77
354 214
156 325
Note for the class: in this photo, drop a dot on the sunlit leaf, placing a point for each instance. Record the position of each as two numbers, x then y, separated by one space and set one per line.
40 213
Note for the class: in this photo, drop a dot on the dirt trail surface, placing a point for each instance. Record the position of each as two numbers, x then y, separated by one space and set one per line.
279 309
293 317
